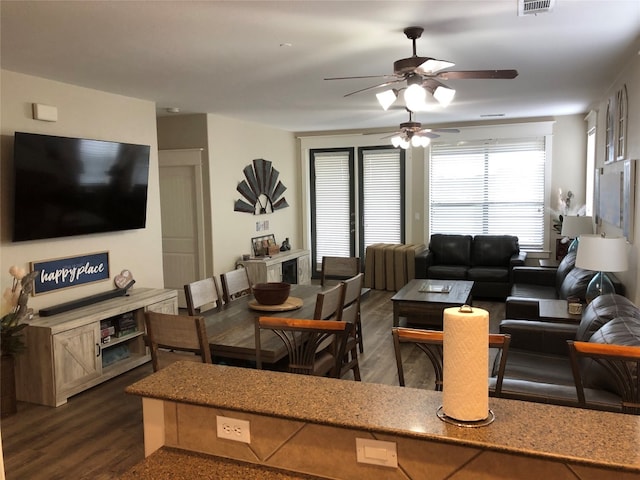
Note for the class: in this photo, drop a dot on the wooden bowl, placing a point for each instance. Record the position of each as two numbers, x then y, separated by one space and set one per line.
272 293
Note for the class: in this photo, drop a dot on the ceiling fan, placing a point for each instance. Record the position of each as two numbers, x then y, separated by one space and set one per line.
412 133
422 75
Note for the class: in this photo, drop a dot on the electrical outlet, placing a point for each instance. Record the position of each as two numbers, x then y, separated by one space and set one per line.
233 429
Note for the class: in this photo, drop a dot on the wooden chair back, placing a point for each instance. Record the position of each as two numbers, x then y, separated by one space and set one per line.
304 340
622 363
176 337
338 268
235 284
430 342
329 303
351 306
202 293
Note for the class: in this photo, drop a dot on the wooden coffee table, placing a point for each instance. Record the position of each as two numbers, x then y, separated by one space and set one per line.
427 307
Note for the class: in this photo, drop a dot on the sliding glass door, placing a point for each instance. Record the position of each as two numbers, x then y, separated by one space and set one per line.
379 186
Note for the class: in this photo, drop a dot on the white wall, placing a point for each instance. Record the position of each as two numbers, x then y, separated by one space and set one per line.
84 113
630 75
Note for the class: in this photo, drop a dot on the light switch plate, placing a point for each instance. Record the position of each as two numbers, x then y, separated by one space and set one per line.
376 452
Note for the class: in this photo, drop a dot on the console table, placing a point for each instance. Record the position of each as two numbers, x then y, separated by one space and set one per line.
293 266
67 353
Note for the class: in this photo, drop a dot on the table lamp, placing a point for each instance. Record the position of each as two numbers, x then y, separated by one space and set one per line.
574 226
601 254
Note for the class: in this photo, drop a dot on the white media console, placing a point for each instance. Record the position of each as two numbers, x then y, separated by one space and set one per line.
69 352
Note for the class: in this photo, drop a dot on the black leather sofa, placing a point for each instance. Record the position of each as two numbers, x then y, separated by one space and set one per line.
487 260
538 366
531 284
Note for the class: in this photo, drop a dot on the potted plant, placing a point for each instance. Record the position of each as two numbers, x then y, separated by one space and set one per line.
12 322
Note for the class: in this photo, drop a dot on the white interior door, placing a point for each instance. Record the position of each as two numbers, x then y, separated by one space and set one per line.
182 211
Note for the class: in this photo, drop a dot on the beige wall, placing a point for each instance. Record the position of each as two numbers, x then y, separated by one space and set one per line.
84 113
232 146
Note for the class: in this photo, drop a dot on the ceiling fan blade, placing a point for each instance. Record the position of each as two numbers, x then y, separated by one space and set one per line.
362 76
466 74
427 133
432 66
384 84
445 130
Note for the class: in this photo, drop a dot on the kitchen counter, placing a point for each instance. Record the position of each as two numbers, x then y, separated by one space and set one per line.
575 436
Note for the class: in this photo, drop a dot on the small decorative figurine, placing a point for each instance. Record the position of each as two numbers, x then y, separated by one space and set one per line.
285 245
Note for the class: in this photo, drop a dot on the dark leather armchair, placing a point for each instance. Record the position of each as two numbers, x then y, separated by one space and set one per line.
539 369
531 284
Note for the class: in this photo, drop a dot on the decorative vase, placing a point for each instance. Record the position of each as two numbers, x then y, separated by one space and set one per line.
8 403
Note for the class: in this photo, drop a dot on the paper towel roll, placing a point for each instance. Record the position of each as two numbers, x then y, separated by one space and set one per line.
465 390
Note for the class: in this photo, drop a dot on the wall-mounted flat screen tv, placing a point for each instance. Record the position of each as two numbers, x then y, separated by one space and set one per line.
75 186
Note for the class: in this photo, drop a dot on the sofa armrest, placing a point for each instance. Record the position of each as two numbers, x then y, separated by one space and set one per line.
534 275
536 336
518 259
423 261
522 308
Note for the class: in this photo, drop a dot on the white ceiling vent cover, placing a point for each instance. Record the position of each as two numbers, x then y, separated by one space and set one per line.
528 7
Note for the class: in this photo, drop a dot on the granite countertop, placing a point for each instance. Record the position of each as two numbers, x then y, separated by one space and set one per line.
182 465
547 431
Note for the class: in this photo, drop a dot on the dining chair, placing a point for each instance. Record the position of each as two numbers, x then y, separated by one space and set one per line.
174 337
202 293
350 313
304 340
329 303
352 297
621 364
235 284
430 342
338 268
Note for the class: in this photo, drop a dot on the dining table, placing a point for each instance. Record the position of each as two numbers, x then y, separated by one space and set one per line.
231 328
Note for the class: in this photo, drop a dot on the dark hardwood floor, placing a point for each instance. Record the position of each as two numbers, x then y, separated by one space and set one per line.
98 433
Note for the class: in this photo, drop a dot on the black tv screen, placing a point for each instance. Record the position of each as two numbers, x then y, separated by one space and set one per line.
74 186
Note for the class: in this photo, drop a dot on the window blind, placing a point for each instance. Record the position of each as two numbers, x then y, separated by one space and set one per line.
332 203
383 195
489 187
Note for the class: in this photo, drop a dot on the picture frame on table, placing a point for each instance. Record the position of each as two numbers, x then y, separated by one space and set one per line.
262 245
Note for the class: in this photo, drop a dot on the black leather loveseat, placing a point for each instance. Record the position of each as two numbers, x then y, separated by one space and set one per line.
538 366
487 260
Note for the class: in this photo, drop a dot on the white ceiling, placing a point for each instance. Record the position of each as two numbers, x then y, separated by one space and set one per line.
230 58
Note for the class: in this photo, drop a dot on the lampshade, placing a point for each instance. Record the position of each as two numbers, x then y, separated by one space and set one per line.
605 254
387 98
574 226
444 95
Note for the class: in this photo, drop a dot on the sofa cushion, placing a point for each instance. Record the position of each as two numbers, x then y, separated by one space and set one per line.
447 272
575 284
493 250
601 310
489 274
451 249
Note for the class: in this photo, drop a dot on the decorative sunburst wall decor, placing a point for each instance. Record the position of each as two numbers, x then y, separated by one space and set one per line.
261 188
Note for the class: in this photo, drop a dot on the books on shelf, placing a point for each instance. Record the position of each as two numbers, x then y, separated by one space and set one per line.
435 287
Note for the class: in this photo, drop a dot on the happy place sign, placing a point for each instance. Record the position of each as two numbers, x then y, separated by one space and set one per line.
70 272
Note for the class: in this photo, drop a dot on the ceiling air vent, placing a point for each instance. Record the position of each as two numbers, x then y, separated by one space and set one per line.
528 7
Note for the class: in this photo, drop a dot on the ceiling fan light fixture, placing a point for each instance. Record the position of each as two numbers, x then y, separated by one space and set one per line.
444 95
386 98
396 141
432 66
414 97
404 143
424 141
